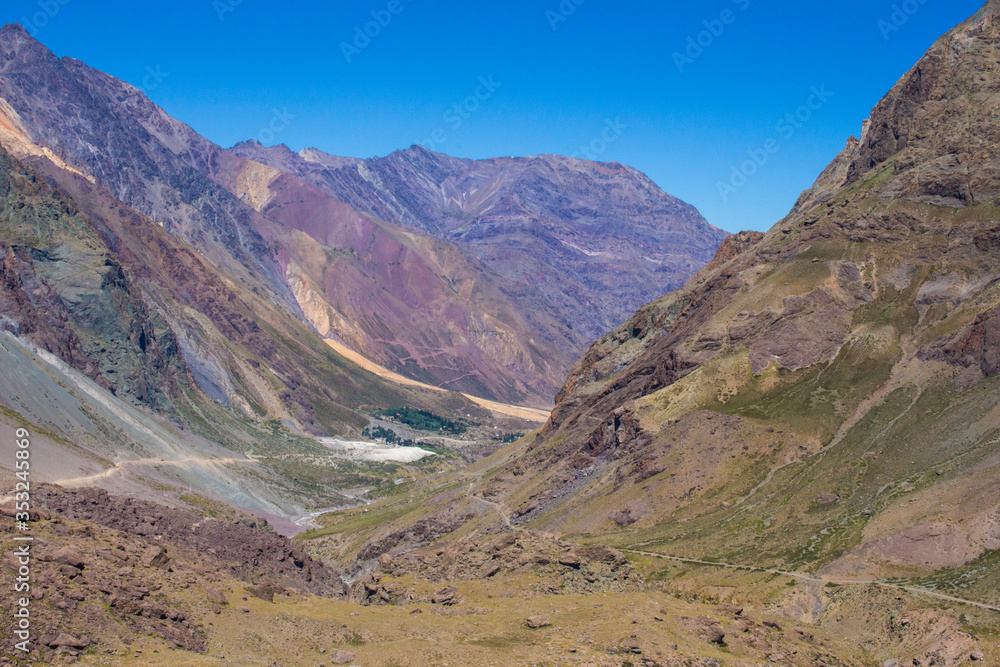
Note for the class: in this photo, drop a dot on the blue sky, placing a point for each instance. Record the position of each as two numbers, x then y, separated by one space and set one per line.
590 78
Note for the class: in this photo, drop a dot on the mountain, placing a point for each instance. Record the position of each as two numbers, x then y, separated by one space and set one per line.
809 397
584 242
818 403
141 260
139 363
793 459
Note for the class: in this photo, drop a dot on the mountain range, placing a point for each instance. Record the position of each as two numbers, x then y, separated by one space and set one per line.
378 280
214 291
585 242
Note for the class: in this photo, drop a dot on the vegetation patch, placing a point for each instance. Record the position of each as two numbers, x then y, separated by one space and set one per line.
424 420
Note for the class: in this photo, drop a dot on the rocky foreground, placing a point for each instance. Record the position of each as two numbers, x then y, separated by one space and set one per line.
123 582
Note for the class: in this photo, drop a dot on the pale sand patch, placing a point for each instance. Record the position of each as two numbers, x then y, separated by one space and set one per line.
528 414
371 451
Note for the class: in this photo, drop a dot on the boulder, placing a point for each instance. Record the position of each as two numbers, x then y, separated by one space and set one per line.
569 560
445 596
215 595
536 622
69 556
263 592
714 634
156 557
69 641
601 554
342 657
732 609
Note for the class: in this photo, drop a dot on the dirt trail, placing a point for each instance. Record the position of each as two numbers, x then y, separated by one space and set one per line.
495 506
528 414
121 467
801 576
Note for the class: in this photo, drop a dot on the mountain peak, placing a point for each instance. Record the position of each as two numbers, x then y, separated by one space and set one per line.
16 36
247 143
14 30
17 44
277 155
930 138
420 150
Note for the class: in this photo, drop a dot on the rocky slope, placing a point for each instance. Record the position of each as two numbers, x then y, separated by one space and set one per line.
582 242
111 570
407 302
65 290
112 293
122 582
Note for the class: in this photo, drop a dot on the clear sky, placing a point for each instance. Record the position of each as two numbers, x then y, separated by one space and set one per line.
591 78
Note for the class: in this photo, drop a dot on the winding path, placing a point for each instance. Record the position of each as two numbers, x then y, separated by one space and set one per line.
495 506
120 467
801 576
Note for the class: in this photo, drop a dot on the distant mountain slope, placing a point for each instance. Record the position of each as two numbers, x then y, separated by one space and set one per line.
63 288
821 398
584 242
409 302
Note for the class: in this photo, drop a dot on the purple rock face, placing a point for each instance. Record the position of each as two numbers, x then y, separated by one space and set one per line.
588 242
